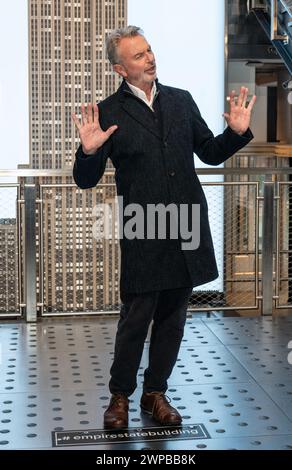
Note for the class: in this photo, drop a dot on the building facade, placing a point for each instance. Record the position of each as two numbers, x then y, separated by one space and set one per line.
8 265
68 67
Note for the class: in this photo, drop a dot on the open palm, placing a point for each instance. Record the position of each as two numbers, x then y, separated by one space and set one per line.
239 114
91 134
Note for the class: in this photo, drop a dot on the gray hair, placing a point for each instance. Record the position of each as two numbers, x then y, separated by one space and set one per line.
113 39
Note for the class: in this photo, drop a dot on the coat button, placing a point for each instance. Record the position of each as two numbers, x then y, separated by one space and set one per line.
171 173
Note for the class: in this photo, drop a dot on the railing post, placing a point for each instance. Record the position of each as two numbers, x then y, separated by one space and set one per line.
30 250
267 248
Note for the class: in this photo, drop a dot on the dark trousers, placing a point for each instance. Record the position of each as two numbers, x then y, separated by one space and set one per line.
167 309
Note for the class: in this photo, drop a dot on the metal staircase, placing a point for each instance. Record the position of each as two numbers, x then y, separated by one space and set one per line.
275 17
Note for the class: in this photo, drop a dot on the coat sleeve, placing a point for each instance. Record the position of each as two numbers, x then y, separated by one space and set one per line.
89 169
215 150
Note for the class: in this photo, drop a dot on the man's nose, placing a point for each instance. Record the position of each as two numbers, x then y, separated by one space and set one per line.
150 56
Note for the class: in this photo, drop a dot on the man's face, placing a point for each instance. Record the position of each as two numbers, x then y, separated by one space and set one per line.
137 61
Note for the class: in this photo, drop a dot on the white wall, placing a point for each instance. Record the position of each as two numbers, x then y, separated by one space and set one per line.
240 74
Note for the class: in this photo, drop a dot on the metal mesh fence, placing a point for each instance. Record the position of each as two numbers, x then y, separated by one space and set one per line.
78 272
284 246
9 250
233 215
81 273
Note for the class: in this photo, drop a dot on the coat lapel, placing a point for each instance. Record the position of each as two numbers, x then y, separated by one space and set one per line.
137 109
141 114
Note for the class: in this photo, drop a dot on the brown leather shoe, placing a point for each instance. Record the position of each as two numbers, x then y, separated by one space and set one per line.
156 404
116 414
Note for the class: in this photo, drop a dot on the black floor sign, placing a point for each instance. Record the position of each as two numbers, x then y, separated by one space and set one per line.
102 436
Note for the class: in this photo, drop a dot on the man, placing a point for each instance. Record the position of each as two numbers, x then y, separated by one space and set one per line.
150 132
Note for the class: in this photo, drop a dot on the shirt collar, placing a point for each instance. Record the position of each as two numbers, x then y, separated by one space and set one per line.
142 95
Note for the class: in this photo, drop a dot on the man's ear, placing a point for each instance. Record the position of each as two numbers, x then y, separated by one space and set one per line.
120 70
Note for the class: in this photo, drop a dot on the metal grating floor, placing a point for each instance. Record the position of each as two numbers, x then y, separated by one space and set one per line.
232 375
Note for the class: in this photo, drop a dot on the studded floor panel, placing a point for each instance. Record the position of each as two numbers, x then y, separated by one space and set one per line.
233 376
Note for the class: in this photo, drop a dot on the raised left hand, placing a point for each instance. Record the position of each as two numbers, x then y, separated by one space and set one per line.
239 114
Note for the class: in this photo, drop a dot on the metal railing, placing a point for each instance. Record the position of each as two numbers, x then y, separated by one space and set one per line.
58 268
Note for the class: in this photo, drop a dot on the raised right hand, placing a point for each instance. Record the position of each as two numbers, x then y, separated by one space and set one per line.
91 134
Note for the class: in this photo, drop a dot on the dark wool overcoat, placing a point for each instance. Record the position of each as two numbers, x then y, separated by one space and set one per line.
152 153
